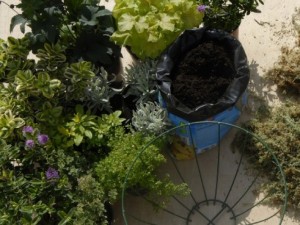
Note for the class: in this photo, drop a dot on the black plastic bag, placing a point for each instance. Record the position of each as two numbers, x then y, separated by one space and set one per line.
188 40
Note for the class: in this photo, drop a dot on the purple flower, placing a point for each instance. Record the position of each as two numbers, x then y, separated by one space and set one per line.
29 144
52 173
202 8
42 138
27 129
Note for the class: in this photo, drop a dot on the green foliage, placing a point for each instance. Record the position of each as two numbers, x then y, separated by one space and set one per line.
83 28
90 130
280 129
150 117
52 57
140 81
227 14
9 122
99 92
63 159
31 198
113 170
148 27
51 79
91 206
34 85
78 75
49 96
13 56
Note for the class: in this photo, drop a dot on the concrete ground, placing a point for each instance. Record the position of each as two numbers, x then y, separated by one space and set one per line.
262 36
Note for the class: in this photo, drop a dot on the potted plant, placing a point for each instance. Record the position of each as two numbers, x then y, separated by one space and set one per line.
226 14
202 76
148 27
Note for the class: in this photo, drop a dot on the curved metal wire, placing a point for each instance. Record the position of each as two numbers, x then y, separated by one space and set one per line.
224 203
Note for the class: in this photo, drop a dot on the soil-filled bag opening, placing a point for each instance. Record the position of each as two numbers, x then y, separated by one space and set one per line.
203 73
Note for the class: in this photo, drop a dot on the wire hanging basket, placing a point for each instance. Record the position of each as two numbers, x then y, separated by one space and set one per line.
224 188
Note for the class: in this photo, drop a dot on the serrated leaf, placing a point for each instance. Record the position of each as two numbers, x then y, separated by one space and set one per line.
141 24
126 22
153 37
166 22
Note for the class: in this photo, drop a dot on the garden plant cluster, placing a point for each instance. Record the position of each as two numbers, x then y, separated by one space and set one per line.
70 128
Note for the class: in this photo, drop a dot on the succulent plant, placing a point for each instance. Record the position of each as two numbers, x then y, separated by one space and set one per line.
140 80
99 92
150 117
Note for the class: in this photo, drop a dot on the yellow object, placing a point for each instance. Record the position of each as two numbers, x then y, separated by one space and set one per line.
181 150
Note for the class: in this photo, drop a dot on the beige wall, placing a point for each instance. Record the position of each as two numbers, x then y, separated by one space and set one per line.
5 16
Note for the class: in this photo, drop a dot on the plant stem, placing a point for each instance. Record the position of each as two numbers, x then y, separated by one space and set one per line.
74 37
9 6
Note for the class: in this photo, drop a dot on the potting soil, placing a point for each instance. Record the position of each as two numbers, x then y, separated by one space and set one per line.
203 75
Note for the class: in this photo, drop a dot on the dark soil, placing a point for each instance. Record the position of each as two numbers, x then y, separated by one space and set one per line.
203 75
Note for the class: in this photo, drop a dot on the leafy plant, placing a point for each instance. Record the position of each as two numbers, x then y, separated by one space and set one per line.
49 139
150 117
99 92
140 81
148 27
226 14
82 27
13 56
113 170
91 207
62 161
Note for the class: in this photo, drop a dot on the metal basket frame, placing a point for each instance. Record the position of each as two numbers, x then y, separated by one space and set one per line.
213 200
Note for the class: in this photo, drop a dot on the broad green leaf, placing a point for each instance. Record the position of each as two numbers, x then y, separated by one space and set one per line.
141 24
47 92
78 139
167 22
81 128
55 83
43 77
63 130
88 134
153 36
18 19
126 22
90 15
